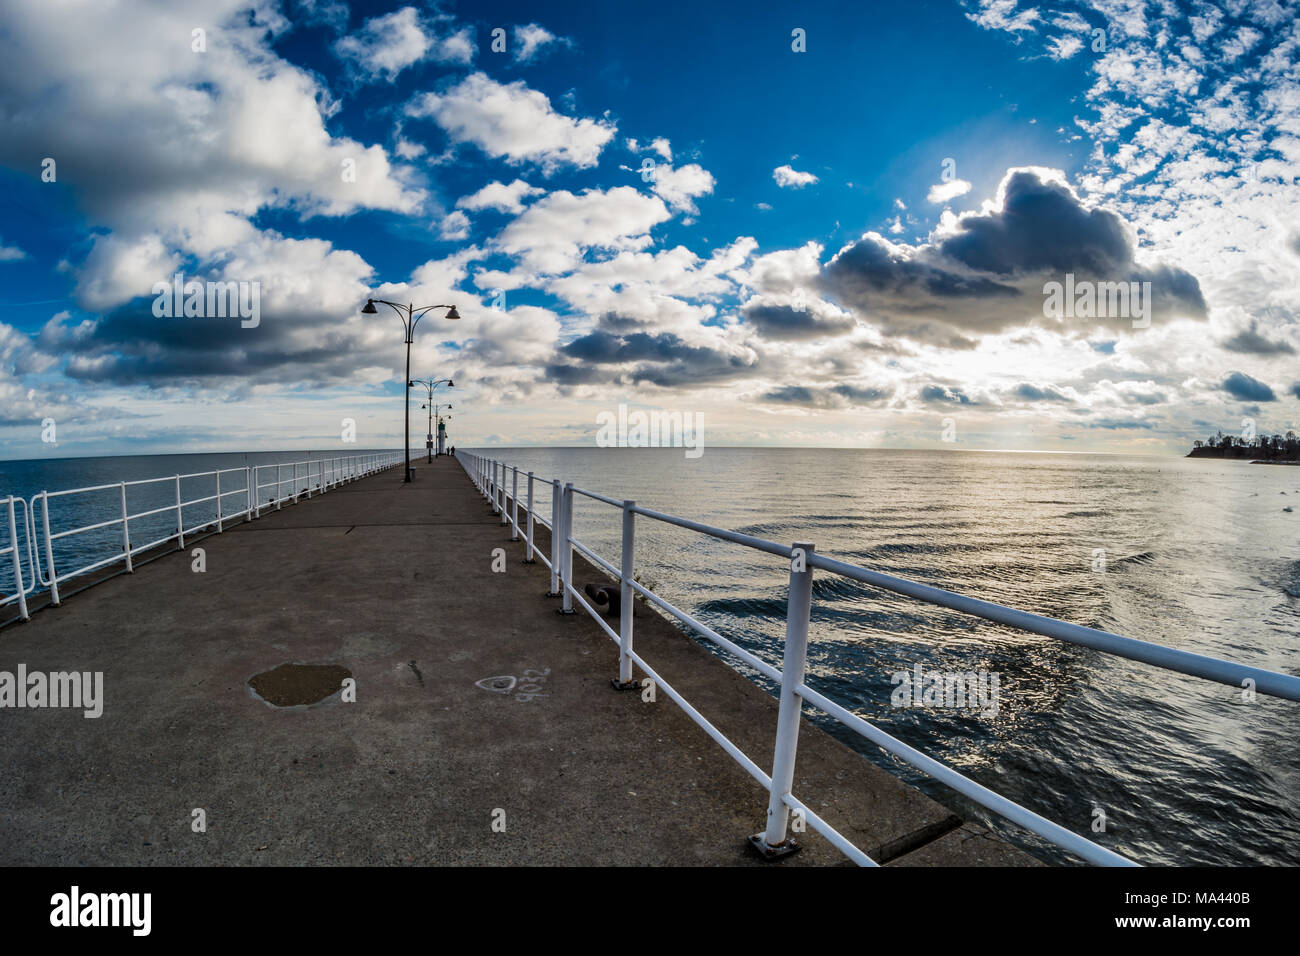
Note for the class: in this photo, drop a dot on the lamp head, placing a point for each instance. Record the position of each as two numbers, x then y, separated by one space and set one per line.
370 307
452 313
450 383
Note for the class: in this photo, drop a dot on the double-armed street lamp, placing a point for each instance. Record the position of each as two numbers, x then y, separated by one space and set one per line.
409 315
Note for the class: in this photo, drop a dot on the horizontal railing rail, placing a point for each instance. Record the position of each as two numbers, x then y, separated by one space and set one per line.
499 484
243 502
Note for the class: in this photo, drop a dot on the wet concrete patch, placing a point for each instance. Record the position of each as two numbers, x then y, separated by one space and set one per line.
296 685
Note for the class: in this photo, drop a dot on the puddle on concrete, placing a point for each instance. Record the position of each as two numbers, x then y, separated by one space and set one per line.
295 685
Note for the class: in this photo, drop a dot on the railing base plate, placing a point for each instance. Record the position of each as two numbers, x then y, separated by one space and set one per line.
624 684
560 610
769 853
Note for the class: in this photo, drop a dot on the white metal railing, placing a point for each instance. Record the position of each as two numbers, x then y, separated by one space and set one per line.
491 478
314 476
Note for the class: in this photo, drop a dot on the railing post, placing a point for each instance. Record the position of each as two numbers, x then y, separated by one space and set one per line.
218 501
18 566
505 507
566 549
528 552
49 548
625 681
278 485
495 486
774 843
556 531
250 490
180 517
514 507
126 531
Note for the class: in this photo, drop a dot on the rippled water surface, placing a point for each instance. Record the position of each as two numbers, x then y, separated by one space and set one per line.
1198 554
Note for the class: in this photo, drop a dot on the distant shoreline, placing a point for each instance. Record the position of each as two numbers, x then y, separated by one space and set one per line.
1251 453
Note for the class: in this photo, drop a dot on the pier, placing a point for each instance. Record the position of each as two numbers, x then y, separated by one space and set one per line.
484 729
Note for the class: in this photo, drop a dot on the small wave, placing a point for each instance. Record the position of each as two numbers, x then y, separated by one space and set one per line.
1142 557
1291 579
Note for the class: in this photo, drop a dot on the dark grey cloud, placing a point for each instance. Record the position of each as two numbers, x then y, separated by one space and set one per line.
1295 389
945 395
788 323
868 269
1120 424
655 358
1247 389
988 274
837 396
605 348
132 346
1251 342
1042 228
1038 393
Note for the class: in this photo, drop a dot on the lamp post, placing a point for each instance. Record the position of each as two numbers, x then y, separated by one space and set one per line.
429 385
409 315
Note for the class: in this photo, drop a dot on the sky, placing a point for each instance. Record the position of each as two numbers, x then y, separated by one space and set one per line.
819 224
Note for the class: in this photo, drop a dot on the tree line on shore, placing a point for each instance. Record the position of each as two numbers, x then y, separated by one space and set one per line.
1263 447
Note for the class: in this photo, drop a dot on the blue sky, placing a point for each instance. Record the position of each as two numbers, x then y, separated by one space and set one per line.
846 244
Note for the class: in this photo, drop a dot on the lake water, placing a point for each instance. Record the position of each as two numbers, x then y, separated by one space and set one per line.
1194 554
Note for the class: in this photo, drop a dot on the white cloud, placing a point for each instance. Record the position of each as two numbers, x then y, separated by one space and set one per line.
386 45
678 187
455 225
552 234
11 253
175 154
409 150
456 48
946 192
786 176
1003 15
501 197
511 121
1063 47
661 146
530 39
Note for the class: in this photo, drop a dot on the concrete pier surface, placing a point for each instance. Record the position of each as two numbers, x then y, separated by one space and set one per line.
394 582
